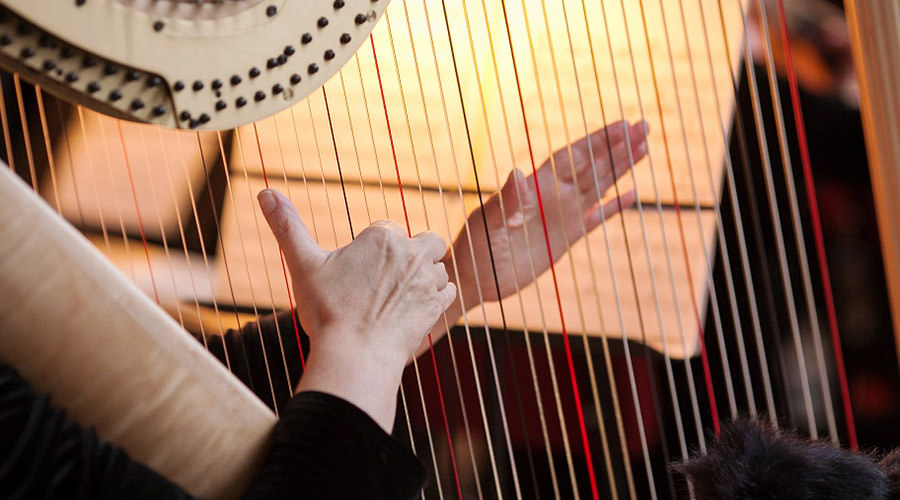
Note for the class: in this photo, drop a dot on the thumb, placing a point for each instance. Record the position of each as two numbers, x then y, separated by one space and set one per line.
514 191
300 250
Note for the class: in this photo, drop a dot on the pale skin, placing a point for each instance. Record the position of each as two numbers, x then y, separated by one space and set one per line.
369 306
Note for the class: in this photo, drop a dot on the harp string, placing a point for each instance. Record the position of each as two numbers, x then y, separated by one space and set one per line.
284 272
26 133
775 214
446 220
467 229
726 368
45 133
4 122
725 253
162 231
502 204
506 226
739 230
744 258
403 399
553 166
414 360
613 281
181 233
137 210
812 308
568 350
568 140
692 391
506 339
253 300
203 252
667 359
816 224
640 211
504 217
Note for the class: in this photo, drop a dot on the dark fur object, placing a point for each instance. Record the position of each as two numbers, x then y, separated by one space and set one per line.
753 460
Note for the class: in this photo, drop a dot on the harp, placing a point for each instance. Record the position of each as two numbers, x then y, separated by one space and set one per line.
707 300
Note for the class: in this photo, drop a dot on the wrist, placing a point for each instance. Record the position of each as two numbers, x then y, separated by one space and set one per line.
365 380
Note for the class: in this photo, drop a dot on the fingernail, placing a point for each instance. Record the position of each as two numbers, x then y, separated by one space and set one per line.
267 201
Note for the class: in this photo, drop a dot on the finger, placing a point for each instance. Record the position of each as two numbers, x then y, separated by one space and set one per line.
440 276
622 157
586 148
514 191
300 250
602 212
433 245
446 296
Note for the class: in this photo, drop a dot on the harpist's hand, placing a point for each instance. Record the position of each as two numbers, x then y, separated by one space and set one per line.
366 306
571 205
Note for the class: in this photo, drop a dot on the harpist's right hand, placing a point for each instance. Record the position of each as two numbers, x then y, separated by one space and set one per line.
366 306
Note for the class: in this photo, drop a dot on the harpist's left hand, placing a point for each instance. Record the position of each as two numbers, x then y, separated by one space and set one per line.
571 203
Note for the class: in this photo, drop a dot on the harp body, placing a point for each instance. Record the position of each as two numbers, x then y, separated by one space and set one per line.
425 121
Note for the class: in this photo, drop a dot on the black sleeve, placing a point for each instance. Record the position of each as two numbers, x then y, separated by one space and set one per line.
327 448
323 447
265 356
44 455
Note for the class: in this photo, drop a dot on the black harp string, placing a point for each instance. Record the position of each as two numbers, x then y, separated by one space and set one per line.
415 369
450 340
402 391
506 337
440 190
471 151
409 231
403 398
573 380
520 196
578 200
468 233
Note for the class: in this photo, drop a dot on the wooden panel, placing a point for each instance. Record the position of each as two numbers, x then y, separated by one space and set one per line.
426 122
